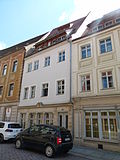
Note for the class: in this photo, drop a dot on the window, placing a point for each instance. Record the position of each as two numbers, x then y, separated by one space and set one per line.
2 125
94 29
26 93
45 89
39 118
14 69
107 80
85 80
29 67
32 95
62 56
36 65
107 24
4 70
60 87
100 27
117 20
1 91
109 125
31 119
11 88
105 45
23 119
47 61
86 51
49 118
91 124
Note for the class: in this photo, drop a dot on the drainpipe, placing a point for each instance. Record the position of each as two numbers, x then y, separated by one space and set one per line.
69 40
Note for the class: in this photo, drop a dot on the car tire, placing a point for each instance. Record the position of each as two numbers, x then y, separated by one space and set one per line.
1 138
49 151
18 144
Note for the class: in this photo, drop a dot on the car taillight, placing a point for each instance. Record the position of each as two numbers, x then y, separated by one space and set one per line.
8 130
59 140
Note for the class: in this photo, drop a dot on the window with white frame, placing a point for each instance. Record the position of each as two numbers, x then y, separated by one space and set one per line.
29 67
47 61
86 51
4 72
26 90
101 124
91 124
36 65
23 119
31 119
1 91
32 94
109 125
85 83
109 23
15 63
100 27
49 118
60 87
105 45
62 56
107 80
40 118
45 89
11 88
117 20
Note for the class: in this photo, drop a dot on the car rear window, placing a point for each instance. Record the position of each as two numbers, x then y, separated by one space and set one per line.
1 125
15 125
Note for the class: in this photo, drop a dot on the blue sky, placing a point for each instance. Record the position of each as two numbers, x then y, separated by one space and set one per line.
24 19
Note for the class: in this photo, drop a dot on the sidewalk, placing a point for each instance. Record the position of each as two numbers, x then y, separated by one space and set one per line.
94 154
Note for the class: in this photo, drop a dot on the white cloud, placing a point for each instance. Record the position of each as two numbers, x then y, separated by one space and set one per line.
63 17
97 8
2 45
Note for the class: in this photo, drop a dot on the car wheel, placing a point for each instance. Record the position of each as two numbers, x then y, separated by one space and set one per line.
18 144
1 138
49 151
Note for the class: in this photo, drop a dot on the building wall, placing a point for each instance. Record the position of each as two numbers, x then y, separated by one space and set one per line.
50 74
97 99
6 101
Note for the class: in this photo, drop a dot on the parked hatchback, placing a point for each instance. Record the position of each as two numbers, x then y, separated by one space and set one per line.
9 130
48 139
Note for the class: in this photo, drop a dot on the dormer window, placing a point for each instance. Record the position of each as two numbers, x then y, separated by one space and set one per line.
94 29
100 27
109 23
117 20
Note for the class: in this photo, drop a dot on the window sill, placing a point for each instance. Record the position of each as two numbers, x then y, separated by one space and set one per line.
105 89
59 94
101 140
85 59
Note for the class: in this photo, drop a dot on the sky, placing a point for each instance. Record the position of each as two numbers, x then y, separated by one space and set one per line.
21 20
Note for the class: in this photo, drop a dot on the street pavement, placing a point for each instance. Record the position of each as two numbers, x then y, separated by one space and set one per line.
9 152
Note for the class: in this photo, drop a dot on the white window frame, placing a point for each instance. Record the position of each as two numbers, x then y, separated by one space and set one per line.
44 87
32 91
105 43
11 90
26 93
29 67
36 65
47 61
60 86
61 57
85 81
4 72
86 48
107 78
15 64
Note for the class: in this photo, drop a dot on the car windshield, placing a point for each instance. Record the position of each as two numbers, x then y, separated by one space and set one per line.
14 125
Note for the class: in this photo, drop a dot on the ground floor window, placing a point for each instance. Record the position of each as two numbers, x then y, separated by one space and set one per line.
23 119
48 118
31 119
102 124
39 118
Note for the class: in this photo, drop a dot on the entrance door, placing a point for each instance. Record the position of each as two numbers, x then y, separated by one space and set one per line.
63 119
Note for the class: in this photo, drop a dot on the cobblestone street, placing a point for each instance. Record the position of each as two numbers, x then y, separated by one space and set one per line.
9 152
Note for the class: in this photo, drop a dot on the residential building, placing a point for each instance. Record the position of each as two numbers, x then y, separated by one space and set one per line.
11 68
96 84
45 90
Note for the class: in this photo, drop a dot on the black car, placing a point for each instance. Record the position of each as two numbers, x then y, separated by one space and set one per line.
47 138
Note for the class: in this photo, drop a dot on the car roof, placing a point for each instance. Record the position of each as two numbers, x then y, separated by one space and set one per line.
53 126
9 122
